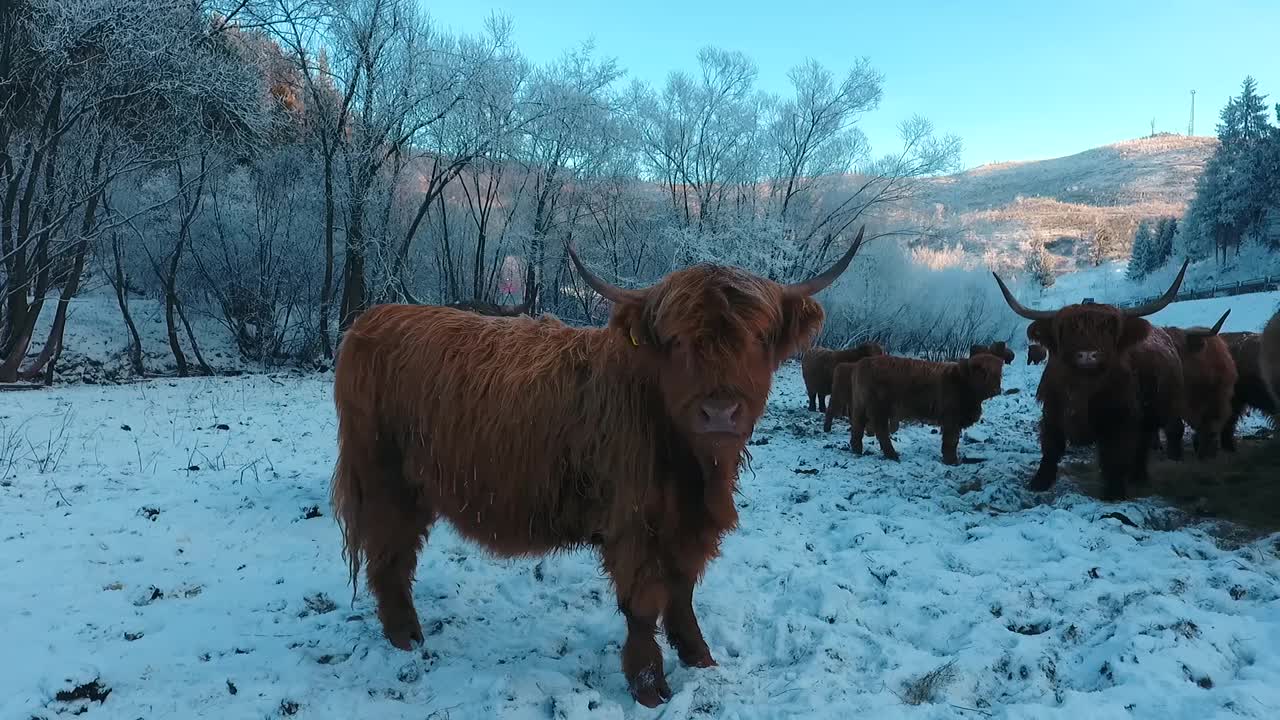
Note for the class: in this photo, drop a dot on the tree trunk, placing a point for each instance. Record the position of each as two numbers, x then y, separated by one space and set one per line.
326 291
53 345
120 283
191 337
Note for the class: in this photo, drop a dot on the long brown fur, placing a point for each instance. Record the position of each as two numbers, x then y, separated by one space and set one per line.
1036 354
1119 406
1269 358
818 367
1208 381
885 389
530 436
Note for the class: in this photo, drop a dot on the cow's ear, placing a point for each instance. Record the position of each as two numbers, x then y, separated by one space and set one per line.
802 318
1041 331
1133 330
630 319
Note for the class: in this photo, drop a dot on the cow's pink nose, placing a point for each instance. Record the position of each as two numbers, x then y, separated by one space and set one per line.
719 417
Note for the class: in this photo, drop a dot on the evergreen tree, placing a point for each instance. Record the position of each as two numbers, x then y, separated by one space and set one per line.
1143 253
1162 243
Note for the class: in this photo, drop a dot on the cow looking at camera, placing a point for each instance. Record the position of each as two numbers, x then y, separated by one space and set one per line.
531 437
1112 380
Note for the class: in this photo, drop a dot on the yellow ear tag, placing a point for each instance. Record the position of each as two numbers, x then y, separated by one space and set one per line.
634 341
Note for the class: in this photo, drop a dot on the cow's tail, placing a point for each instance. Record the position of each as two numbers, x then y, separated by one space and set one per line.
355 383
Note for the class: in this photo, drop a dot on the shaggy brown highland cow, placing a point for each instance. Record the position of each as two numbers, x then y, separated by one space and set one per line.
1269 359
1208 381
950 395
818 367
1112 380
531 437
1036 354
997 348
1251 389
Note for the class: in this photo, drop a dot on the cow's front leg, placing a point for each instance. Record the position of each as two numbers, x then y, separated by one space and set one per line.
681 624
1053 444
642 596
950 444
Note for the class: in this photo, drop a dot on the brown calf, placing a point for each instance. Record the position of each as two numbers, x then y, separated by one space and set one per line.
1208 380
530 437
1251 389
950 395
1112 380
818 367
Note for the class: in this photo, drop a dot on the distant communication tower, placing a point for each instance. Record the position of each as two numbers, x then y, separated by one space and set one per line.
1191 125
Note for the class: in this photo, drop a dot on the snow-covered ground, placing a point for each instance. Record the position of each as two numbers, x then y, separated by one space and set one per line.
172 540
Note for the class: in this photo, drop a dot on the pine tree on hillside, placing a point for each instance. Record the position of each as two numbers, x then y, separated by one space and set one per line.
1143 253
1162 245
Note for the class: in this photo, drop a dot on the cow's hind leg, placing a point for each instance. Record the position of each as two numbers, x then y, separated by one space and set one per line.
813 401
396 525
950 444
1116 456
1228 435
642 596
681 624
880 422
857 426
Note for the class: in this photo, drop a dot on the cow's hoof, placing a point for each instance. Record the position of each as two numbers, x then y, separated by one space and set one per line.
650 691
403 638
1040 483
701 659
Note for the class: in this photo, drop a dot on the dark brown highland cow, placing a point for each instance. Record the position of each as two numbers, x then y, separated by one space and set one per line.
1208 380
818 368
1036 354
886 389
841 386
1112 380
531 437
1251 389
1270 358
482 307
997 348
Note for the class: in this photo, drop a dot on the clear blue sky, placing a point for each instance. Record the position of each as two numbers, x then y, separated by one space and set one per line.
1016 80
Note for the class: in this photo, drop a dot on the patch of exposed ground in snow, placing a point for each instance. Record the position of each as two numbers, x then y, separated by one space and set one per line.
172 542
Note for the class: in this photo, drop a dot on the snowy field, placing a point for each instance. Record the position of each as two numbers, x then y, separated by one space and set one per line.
172 541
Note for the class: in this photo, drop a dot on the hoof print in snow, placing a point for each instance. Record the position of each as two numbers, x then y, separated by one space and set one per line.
1204 681
149 513
132 636
82 695
330 659
1238 592
883 576
1029 629
231 688
1013 391
802 496
805 471
222 426
126 428
409 673
148 596
311 512
758 441
318 604
289 707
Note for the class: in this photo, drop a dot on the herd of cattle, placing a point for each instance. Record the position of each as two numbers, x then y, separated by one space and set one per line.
1114 380
531 436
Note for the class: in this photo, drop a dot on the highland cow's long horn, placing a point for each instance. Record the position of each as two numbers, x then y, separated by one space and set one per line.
1161 302
1019 308
818 283
606 290
1213 330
